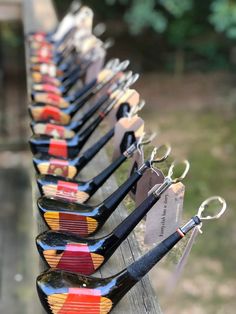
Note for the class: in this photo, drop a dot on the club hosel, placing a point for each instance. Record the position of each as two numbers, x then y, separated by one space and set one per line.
101 178
116 197
78 95
130 151
142 266
92 151
162 188
193 222
144 166
84 135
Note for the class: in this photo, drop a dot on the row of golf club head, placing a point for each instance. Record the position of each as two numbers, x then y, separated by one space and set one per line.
53 307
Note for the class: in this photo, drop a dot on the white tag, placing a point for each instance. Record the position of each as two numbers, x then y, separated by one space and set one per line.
66 24
84 19
132 97
127 131
164 217
172 282
149 179
95 67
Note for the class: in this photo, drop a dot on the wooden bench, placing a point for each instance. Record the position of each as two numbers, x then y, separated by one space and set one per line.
40 15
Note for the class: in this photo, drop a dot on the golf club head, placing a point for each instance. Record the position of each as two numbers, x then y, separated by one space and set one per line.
67 292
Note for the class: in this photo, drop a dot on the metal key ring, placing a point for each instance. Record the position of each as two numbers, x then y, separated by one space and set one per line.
206 204
146 138
171 171
108 43
131 81
113 63
154 155
121 66
135 109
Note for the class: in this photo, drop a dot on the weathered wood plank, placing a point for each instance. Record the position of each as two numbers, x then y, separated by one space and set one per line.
141 298
39 15
10 10
18 256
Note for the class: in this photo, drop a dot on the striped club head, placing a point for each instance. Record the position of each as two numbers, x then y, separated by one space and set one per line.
48 88
65 191
75 257
71 222
57 167
45 113
53 130
62 292
79 300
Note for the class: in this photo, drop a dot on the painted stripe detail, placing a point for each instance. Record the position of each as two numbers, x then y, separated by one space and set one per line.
49 112
67 189
54 98
78 224
58 167
102 114
58 148
51 190
79 300
57 131
50 88
76 257
180 233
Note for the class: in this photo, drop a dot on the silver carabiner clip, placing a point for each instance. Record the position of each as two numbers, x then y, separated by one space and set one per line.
121 66
131 80
135 109
160 153
206 204
184 173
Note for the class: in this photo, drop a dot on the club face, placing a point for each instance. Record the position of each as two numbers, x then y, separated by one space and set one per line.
65 292
69 252
63 188
80 219
58 148
57 167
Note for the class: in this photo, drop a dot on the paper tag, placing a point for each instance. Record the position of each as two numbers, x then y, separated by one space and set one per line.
164 217
137 161
149 179
94 68
66 24
84 19
131 99
127 131
172 282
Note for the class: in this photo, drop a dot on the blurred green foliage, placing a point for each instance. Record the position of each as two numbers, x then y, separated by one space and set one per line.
10 32
179 35
223 17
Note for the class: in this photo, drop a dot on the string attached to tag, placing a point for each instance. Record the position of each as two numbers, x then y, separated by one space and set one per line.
173 280
138 159
172 283
127 131
151 177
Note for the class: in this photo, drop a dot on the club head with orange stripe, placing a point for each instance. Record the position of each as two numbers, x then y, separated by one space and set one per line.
53 130
85 220
63 292
70 252
47 113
